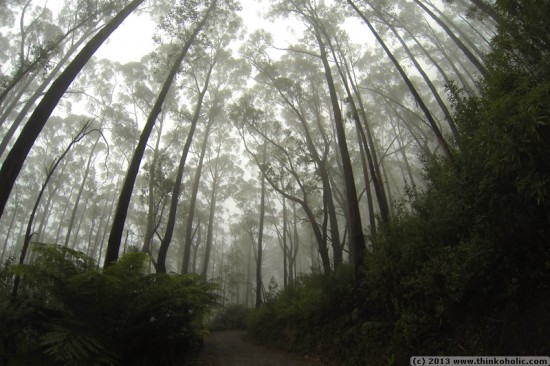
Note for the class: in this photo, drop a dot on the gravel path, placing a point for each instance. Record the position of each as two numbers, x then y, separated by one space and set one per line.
230 348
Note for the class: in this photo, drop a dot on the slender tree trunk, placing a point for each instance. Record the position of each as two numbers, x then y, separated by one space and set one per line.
48 205
34 65
487 9
465 84
80 221
248 274
458 42
128 185
62 218
426 78
259 285
196 246
18 153
193 201
152 211
371 152
370 206
36 94
461 35
80 191
163 250
209 233
10 227
285 246
356 231
412 89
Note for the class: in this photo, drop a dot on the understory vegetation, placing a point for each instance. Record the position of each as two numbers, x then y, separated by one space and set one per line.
67 312
464 267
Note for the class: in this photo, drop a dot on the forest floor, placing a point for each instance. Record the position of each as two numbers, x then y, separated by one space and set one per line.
231 348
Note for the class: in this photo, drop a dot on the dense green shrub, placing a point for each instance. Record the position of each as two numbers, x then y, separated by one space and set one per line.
68 312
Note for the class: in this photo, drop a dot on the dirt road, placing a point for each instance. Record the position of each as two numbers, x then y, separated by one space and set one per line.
229 348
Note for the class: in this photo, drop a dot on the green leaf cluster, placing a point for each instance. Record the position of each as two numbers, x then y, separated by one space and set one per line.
68 312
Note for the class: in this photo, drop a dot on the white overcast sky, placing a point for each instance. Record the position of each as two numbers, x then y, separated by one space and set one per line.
133 39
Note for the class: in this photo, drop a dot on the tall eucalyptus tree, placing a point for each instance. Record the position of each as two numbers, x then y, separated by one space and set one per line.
310 13
184 22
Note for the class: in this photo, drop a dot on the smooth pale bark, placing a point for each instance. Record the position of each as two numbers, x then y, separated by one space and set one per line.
117 228
167 239
18 153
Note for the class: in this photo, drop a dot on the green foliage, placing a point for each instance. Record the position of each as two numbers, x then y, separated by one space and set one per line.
69 312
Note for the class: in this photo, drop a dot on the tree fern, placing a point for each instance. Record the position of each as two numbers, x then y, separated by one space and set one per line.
70 346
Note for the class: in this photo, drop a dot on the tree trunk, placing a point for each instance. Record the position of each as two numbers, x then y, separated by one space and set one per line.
285 246
152 211
209 233
10 227
259 285
18 153
370 206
